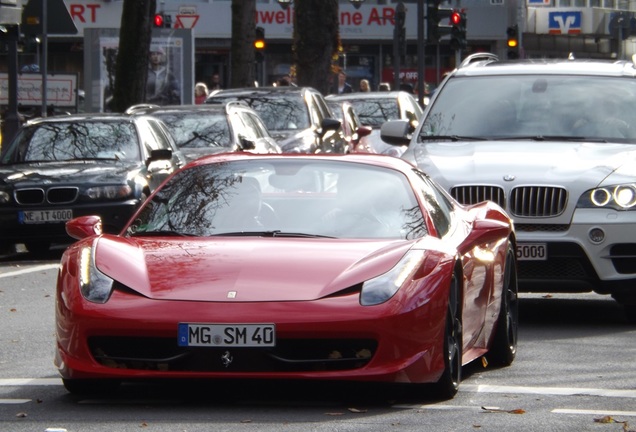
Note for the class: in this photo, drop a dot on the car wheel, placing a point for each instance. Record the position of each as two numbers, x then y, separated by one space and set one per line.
504 347
90 386
448 384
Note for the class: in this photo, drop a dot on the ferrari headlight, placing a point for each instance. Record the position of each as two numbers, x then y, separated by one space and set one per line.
109 192
95 286
379 289
618 197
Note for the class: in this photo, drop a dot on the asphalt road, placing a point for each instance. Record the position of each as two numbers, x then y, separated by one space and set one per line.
574 372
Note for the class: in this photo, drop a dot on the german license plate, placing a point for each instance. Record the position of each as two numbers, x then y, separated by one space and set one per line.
45 216
532 252
227 335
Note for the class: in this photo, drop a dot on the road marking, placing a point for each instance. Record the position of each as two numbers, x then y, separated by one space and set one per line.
564 391
595 412
30 270
13 401
15 382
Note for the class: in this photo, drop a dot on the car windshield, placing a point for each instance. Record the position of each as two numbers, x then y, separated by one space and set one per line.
292 198
374 112
197 129
63 141
534 107
278 111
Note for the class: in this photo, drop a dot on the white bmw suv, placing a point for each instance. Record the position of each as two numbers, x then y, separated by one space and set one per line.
554 143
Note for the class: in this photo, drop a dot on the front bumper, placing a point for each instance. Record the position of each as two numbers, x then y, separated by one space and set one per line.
132 337
575 262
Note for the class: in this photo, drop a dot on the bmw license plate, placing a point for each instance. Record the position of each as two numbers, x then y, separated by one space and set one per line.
227 335
532 252
45 216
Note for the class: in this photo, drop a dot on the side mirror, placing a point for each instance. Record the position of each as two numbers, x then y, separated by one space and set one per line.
328 124
246 144
160 154
396 132
84 226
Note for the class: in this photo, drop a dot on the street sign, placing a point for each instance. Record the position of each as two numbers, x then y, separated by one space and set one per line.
58 20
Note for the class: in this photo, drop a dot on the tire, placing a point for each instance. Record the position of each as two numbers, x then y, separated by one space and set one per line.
448 385
504 346
90 386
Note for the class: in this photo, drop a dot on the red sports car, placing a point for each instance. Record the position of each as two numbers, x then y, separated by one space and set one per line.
332 267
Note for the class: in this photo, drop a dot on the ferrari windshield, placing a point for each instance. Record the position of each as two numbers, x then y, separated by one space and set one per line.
283 198
64 141
534 107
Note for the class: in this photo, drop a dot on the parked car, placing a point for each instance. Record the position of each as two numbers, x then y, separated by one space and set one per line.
333 267
376 108
355 132
58 168
298 117
553 142
201 130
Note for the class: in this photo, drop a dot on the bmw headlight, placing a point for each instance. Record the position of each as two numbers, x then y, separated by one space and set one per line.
109 192
95 286
617 197
379 289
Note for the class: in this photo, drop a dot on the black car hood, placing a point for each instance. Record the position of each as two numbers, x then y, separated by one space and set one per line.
88 171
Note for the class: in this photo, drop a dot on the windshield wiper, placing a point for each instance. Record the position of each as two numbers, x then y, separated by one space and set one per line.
161 233
452 138
550 138
274 233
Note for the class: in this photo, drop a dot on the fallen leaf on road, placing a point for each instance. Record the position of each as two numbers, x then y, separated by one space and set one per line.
356 410
498 410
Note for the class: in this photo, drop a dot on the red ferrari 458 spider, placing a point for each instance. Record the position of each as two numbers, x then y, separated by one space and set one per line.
313 267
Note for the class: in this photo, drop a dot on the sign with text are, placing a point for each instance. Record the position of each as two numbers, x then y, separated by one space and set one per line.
61 90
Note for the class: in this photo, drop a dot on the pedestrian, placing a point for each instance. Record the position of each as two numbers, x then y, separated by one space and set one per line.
384 86
200 93
364 85
216 82
343 85
162 87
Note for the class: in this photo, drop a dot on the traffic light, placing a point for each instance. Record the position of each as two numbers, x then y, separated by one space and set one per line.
458 32
162 20
513 42
438 21
259 43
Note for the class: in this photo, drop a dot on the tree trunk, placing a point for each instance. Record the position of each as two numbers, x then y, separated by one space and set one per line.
316 38
243 25
131 69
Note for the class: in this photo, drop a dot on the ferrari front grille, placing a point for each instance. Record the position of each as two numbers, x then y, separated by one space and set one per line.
538 201
290 355
474 194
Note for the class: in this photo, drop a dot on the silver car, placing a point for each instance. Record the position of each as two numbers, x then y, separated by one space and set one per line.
554 143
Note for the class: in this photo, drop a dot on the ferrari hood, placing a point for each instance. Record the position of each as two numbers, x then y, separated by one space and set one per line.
244 269
576 166
84 172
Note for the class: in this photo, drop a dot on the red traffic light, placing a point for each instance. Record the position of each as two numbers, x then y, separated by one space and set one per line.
158 20
455 18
